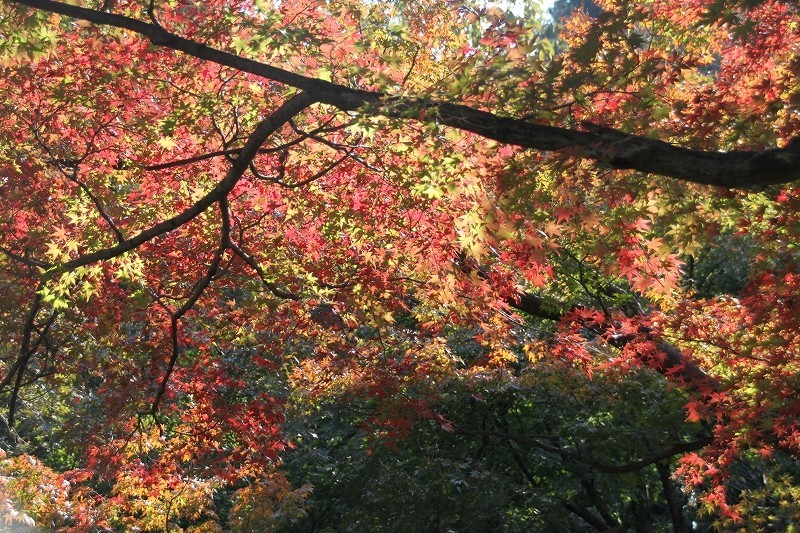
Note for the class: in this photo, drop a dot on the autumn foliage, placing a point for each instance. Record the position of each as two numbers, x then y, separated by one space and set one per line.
226 223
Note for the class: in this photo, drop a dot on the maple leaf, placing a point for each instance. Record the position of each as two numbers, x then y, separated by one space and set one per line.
694 411
168 143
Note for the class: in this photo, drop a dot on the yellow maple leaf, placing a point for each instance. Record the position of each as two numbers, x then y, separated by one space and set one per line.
168 143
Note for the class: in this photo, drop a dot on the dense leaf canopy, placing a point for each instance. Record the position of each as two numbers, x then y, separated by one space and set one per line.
399 265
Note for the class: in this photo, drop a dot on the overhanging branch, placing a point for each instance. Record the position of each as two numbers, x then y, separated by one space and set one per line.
607 146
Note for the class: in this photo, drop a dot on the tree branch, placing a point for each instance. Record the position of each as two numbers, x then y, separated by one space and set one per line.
235 151
22 259
197 291
670 494
313 177
252 263
655 457
585 515
607 146
266 127
675 364
25 353
73 177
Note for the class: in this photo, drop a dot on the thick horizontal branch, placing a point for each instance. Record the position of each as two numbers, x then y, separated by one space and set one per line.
607 146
